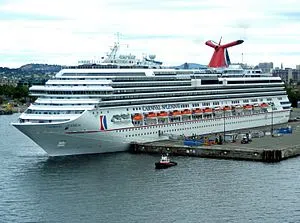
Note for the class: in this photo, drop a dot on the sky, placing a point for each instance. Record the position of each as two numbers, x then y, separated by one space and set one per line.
66 31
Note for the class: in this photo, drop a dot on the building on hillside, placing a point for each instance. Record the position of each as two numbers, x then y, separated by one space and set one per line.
296 76
265 67
8 81
288 75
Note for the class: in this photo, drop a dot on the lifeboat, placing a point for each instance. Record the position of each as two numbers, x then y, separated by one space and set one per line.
175 113
162 114
186 112
151 115
264 105
137 117
227 108
218 110
248 107
238 108
207 110
256 107
197 111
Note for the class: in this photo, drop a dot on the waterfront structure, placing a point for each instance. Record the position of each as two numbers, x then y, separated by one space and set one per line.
283 74
97 108
288 75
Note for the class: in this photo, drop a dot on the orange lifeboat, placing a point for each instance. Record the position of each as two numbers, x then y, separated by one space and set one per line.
162 114
248 107
227 108
186 112
175 113
264 105
207 110
151 115
137 117
197 111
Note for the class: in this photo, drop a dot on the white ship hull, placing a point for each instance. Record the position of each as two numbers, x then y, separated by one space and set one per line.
84 135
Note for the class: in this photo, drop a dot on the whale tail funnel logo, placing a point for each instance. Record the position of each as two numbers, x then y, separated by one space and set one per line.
220 58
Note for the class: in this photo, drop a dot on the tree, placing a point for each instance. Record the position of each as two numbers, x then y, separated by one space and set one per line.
20 92
293 95
12 92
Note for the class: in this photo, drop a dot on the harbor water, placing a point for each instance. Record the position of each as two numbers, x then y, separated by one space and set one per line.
124 187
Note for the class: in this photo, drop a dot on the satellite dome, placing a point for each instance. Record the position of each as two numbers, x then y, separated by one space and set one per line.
152 56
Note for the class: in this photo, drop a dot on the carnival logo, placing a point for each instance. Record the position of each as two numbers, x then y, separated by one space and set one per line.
103 123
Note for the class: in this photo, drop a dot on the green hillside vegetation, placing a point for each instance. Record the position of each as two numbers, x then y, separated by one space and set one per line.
19 93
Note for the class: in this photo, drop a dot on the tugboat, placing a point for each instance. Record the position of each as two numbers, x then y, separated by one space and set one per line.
164 162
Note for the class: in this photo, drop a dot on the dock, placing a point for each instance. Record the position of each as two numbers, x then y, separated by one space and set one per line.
268 148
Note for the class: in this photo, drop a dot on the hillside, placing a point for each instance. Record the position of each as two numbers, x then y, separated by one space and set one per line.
30 69
40 67
190 66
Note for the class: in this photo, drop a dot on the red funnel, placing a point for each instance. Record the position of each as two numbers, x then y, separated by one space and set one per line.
220 58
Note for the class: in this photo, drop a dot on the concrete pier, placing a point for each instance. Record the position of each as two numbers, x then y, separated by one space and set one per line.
266 149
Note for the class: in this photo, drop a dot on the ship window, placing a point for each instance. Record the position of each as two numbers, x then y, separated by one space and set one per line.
284 102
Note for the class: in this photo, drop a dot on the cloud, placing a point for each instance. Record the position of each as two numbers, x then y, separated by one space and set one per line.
66 31
290 16
24 16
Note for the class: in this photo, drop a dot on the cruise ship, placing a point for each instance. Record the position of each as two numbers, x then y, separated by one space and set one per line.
103 107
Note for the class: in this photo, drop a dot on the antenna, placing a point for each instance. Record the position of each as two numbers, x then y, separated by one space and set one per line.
220 41
244 25
112 54
244 37
242 57
118 37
